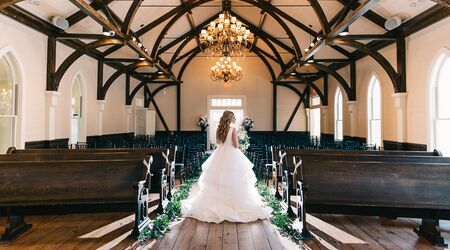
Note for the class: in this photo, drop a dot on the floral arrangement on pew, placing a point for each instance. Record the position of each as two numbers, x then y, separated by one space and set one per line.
202 122
248 123
243 139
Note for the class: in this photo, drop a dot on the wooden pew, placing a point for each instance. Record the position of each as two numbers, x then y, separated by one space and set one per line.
385 185
117 153
78 181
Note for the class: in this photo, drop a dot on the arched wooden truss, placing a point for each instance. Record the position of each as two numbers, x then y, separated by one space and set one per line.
289 75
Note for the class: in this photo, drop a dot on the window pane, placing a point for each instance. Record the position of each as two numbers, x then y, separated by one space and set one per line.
7 126
443 90
339 130
376 101
375 132
443 136
226 102
6 88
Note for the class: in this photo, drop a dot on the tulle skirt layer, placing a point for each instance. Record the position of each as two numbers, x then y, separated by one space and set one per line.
226 190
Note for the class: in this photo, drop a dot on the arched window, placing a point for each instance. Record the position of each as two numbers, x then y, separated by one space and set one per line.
374 112
314 117
338 114
8 105
440 105
77 115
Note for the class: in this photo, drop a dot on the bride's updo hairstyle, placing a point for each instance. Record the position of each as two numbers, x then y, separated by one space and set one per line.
224 123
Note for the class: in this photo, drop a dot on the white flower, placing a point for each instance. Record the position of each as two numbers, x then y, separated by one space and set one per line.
203 121
247 123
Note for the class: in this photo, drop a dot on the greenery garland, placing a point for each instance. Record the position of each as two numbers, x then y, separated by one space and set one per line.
279 217
160 225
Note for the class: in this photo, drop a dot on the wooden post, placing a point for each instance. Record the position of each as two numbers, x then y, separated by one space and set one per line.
100 79
401 62
51 62
274 117
353 80
178 107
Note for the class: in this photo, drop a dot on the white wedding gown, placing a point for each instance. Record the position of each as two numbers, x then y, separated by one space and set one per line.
226 189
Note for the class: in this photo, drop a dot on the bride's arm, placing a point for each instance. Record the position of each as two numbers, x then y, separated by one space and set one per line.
234 139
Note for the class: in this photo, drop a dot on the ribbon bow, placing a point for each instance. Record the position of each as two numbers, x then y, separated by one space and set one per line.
297 164
166 156
282 155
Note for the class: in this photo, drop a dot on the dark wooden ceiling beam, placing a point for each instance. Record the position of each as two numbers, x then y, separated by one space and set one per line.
357 13
445 3
193 32
130 16
261 32
125 60
320 15
430 16
226 5
92 13
372 16
372 37
149 27
6 3
191 21
185 55
80 15
88 10
80 36
262 20
109 14
292 20
425 19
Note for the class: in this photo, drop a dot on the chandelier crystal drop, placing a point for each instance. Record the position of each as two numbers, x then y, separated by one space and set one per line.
226 70
227 37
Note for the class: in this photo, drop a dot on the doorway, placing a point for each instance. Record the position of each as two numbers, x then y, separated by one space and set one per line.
217 105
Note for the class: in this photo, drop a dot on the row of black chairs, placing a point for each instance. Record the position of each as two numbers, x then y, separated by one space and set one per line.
191 145
260 144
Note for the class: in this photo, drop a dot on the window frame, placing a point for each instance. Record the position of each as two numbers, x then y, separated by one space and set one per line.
338 109
374 81
313 108
436 68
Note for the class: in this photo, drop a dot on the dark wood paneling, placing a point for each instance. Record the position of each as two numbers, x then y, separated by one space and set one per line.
393 145
57 143
92 139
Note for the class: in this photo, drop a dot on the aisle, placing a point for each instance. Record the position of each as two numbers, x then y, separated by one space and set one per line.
193 234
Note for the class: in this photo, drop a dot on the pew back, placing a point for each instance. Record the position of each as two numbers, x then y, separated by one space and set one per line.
406 185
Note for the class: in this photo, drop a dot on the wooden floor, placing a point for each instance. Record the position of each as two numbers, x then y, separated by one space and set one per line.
111 230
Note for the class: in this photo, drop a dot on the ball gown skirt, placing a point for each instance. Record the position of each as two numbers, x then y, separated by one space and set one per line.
226 189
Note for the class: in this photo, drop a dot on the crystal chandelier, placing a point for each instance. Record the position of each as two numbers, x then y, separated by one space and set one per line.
228 37
226 70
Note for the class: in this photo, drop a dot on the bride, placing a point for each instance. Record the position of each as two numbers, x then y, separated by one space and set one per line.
226 188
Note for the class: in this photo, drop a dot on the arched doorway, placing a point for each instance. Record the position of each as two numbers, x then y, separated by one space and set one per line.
439 105
77 111
9 102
